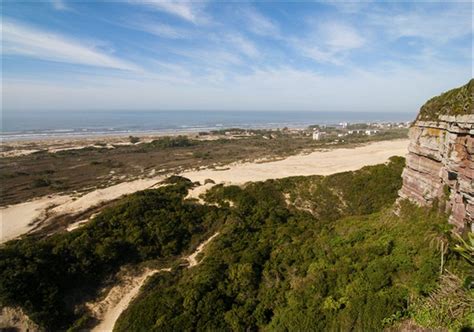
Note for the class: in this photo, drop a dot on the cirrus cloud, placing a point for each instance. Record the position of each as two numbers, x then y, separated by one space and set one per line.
24 40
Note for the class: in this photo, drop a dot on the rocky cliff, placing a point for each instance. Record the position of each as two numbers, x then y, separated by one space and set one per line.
440 162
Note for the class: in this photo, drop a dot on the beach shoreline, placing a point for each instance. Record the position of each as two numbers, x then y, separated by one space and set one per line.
90 136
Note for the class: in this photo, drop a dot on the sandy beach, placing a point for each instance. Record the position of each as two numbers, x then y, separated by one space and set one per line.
19 219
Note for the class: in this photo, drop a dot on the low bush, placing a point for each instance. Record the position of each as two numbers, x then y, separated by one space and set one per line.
49 277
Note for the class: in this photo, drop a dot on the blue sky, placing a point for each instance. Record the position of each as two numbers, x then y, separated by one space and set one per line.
208 55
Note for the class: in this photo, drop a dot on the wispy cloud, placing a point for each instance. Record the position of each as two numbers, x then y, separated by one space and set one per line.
243 45
216 55
258 23
340 37
451 25
59 5
186 10
330 42
210 58
160 29
432 20
278 89
24 40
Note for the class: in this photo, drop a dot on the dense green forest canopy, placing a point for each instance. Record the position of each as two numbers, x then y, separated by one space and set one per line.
334 258
301 253
49 277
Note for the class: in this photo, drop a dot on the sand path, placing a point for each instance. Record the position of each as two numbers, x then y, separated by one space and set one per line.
119 297
18 219
192 259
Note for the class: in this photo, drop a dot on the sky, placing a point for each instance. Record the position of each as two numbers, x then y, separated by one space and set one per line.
235 55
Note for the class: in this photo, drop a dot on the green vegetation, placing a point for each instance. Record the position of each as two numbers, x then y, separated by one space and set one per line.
49 277
302 253
317 264
358 126
95 167
40 183
459 101
169 142
279 270
449 305
465 247
133 139
349 193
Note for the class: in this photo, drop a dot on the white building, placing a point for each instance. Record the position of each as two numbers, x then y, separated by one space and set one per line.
371 132
317 135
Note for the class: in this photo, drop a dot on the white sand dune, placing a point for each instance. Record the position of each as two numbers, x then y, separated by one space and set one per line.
316 163
103 195
17 219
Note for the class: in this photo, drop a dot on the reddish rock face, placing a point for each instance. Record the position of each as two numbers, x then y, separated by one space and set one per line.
440 165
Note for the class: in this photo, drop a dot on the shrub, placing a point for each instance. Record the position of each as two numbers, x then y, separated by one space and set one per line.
49 277
41 182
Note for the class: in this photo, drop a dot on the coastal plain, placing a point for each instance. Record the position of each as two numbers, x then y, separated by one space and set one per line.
21 218
101 162
57 186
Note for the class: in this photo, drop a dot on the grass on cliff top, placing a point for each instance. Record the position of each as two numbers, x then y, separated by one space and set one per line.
457 101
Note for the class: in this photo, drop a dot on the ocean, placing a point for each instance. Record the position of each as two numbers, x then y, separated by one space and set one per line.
42 124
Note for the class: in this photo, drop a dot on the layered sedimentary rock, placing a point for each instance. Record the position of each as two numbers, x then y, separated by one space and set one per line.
440 163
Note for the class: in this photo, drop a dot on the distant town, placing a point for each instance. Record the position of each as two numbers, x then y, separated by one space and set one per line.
344 129
330 132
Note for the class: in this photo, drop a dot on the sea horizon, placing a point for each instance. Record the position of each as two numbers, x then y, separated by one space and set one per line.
56 124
